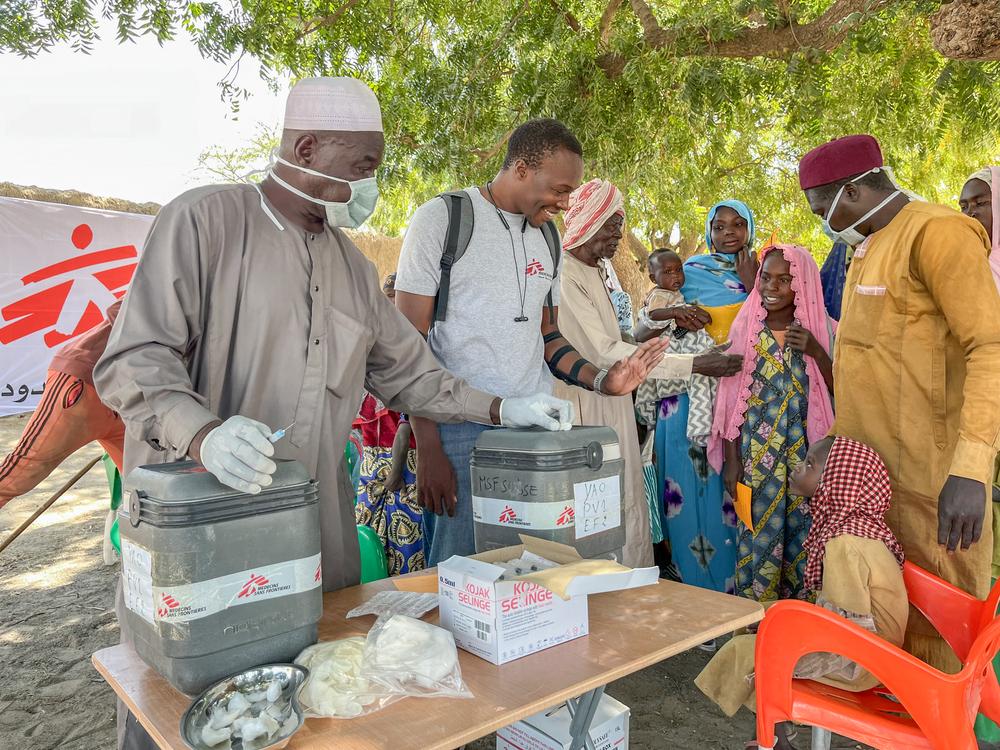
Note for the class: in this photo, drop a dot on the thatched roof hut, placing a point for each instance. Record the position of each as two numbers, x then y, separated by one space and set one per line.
75 198
380 249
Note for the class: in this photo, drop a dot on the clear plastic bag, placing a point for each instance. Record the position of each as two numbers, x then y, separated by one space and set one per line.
410 657
335 686
387 603
401 657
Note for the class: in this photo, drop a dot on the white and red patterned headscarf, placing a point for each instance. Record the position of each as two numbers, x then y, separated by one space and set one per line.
853 496
590 205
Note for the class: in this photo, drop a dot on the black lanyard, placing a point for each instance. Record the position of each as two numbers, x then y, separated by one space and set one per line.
522 293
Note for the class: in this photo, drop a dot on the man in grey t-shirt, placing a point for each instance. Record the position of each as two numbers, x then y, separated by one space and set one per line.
498 333
491 285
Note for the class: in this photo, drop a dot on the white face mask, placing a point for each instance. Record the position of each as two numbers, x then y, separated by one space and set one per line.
850 235
353 213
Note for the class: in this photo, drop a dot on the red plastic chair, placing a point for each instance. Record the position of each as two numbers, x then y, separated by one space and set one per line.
931 711
959 617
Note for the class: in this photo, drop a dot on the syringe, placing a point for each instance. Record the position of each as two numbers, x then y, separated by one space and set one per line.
278 434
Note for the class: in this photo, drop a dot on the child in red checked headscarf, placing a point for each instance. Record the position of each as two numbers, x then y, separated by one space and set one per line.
854 562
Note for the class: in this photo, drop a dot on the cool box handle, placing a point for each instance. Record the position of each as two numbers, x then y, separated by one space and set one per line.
595 456
133 506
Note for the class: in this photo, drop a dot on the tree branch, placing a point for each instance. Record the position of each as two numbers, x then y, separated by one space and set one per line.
825 33
485 154
321 22
480 66
569 17
607 18
654 34
728 171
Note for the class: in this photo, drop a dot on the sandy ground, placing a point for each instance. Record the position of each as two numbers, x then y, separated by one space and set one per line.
56 609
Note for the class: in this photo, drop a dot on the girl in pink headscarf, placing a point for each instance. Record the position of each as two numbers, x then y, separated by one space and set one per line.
980 199
767 416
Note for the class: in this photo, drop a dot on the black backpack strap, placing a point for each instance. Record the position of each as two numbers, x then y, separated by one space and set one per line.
461 220
551 235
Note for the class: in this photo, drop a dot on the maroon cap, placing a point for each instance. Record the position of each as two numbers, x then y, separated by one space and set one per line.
844 157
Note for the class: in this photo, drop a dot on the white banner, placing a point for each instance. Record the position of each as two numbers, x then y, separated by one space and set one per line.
61 267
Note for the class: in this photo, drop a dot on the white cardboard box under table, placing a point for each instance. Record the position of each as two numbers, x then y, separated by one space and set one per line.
549 730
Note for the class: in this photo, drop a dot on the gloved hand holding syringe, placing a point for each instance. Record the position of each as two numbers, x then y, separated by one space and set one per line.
238 453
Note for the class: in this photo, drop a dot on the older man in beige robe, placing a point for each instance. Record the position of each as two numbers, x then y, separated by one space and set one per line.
251 309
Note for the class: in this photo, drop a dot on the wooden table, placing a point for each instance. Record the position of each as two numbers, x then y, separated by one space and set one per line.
629 630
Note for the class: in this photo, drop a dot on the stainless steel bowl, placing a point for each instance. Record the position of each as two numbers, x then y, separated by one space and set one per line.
194 719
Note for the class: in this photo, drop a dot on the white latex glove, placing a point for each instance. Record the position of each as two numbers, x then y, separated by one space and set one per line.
540 410
236 453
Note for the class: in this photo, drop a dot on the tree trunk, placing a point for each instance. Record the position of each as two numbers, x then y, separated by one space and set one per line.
640 253
691 244
630 265
967 30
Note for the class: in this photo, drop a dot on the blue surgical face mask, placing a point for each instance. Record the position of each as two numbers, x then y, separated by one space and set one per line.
850 235
351 214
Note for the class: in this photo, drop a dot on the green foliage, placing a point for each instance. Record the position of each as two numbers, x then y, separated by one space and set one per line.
677 124
221 165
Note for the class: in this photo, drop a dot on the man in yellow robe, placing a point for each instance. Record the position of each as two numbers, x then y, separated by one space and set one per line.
916 363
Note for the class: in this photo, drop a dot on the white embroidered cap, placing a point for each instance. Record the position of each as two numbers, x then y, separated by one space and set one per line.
330 103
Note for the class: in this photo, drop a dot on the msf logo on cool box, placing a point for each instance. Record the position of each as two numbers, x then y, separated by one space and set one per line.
250 587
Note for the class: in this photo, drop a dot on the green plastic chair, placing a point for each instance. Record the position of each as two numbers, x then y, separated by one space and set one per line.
115 489
374 566
352 455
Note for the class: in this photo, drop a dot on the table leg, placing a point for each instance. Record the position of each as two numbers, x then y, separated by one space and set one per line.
821 738
582 711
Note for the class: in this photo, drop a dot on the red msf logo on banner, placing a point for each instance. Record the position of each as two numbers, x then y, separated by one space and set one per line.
508 515
566 517
90 282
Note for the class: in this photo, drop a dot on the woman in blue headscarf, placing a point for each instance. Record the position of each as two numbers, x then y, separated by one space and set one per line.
698 521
